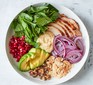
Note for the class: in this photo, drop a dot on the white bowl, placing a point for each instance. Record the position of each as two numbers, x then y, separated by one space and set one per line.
76 67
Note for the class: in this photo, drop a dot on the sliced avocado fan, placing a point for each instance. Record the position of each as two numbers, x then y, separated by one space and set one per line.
34 58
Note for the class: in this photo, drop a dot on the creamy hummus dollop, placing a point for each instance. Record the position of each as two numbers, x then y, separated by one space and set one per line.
46 41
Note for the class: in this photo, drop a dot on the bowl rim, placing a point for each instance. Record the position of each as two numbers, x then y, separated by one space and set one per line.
53 5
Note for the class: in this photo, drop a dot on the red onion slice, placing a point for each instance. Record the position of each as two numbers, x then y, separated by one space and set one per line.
74 56
79 44
59 47
54 53
68 43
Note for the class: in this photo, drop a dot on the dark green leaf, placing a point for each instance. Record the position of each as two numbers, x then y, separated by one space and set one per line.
52 8
26 29
41 21
13 24
35 9
43 29
18 28
54 16
27 18
19 34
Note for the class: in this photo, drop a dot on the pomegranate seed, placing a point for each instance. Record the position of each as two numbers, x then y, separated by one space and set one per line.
18 58
18 47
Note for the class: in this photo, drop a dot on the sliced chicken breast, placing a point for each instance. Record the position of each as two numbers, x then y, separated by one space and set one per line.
78 33
63 15
54 30
58 27
71 21
69 28
68 34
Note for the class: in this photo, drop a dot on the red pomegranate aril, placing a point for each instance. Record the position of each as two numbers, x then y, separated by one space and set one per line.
15 54
18 47
12 51
21 50
18 58
15 45
22 43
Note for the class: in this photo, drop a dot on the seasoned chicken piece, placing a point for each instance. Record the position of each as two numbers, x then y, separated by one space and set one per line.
78 33
71 21
63 15
71 32
64 28
69 28
58 27
54 30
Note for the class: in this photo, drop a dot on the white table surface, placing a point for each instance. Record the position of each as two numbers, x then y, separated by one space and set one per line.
10 8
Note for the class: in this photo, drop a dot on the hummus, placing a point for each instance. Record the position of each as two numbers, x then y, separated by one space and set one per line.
46 41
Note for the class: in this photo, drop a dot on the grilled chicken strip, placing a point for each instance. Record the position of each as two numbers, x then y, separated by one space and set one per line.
58 27
54 30
72 22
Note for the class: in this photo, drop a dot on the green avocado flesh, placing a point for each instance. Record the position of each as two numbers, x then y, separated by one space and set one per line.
34 58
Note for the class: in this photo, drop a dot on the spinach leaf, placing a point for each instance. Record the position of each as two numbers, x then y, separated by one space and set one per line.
27 31
54 16
19 34
18 28
13 24
52 12
35 9
41 21
27 18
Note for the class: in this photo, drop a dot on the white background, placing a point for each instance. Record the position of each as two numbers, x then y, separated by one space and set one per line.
10 8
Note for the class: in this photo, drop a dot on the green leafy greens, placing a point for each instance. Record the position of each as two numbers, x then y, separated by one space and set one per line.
33 21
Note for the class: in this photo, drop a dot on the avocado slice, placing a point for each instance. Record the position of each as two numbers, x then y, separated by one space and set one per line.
37 61
34 62
44 55
23 64
33 50
32 55
36 51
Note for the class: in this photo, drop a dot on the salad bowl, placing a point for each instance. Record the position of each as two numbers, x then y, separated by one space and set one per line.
76 68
